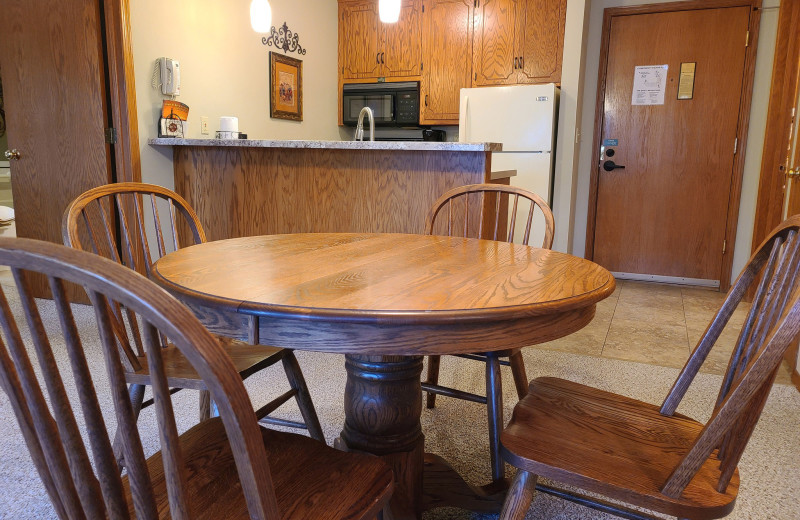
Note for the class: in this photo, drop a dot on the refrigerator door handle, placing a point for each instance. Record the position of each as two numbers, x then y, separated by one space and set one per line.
463 116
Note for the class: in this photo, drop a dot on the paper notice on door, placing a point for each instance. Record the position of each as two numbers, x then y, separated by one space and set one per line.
649 84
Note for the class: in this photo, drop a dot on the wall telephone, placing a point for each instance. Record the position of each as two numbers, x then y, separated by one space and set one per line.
170 71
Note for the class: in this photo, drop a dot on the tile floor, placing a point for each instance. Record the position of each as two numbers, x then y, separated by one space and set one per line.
657 324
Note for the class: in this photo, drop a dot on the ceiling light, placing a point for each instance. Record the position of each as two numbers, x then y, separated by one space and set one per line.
389 10
261 16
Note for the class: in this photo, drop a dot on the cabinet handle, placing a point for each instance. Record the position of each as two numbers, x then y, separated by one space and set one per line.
383 55
378 58
426 99
516 63
521 66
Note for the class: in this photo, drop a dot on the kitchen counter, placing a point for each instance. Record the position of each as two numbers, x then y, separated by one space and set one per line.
250 187
413 146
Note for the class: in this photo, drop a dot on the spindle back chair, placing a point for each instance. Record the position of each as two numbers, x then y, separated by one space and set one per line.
685 468
488 211
182 480
119 221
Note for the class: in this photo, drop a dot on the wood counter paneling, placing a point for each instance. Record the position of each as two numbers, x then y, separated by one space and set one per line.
241 191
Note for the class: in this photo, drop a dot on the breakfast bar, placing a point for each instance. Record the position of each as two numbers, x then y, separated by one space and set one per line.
262 187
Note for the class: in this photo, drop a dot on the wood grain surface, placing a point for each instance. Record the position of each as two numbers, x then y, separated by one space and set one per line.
402 42
447 59
283 190
389 293
541 44
494 54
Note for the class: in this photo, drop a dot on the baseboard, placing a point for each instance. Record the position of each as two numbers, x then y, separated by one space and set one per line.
796 379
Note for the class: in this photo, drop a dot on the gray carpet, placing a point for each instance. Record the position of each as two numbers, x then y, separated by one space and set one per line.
770 468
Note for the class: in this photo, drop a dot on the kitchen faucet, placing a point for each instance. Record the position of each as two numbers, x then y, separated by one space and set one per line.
360 126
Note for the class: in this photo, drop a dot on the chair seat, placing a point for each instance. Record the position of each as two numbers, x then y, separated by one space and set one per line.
311 479
248 359
610 444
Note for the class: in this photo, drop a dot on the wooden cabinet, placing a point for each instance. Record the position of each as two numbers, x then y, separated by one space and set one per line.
446 58
518 41
370 49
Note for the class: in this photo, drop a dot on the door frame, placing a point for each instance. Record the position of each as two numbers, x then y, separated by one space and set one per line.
782 95
742 127
121 88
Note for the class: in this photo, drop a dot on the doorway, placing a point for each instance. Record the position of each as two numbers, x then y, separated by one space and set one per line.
673 98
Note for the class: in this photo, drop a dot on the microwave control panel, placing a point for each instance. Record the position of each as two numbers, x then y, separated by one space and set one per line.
407 110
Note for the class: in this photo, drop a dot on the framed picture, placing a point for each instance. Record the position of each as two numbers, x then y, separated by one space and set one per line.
286 87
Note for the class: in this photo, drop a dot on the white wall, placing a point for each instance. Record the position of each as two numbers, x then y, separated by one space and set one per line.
753 151
225 69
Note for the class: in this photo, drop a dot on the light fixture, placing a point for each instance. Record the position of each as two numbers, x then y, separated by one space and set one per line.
389 10
261 16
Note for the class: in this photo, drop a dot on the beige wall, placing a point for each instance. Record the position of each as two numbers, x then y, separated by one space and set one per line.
225 69
766 45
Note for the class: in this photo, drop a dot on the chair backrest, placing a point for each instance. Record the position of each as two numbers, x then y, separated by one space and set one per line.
46 416
491 211
90 223
771 324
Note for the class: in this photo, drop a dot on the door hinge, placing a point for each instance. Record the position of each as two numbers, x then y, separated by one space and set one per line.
747 40
423 8
111 135
476 76
724 246
421 66
735 145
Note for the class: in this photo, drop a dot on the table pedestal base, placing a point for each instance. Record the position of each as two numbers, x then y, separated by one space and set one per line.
382 407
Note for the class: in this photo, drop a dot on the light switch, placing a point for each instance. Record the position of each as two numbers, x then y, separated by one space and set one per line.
204 125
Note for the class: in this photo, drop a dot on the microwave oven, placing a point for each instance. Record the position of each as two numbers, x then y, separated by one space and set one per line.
392 104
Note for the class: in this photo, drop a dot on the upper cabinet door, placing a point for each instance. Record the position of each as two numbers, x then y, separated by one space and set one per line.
359 39
446 58
402 42
495 57
541 33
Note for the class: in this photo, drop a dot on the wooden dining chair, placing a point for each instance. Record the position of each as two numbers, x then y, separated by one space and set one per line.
225 467
138 214
482 211
650 456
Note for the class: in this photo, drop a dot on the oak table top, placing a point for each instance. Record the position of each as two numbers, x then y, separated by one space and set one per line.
385 300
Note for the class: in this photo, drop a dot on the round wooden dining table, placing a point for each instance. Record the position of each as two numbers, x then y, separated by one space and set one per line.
385 301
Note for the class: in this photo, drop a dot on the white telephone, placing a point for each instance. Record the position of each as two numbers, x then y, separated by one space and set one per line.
170 76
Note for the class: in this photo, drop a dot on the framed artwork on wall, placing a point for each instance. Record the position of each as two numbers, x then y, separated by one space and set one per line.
286 87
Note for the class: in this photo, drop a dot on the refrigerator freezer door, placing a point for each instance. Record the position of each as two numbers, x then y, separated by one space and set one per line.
533 174
520 117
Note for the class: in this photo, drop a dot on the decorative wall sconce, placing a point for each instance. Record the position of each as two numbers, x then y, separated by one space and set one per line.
260 16
389 10
284 39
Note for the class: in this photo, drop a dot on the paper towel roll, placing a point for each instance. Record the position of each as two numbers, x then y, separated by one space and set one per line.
228 124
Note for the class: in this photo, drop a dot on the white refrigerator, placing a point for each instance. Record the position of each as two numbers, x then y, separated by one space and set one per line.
522 118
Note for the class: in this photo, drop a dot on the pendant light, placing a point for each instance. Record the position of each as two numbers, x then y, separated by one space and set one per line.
261 16
389 10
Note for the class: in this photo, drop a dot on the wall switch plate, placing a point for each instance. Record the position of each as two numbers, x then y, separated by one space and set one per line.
204 125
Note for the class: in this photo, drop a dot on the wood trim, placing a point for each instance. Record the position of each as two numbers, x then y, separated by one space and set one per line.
744 115
122 90
785 78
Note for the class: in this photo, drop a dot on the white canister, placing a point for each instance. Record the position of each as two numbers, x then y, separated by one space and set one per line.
228 124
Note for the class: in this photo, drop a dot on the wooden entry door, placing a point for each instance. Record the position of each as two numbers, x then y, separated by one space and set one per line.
664 185
52 61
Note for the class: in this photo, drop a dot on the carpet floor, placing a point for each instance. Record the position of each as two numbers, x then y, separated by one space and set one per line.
770 467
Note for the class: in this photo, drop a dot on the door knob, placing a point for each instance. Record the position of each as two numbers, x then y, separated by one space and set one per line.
12 155
610 166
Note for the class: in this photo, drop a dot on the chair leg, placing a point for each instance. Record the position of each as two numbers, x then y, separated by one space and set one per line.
519 497
205 405
433 378
136 393
518 371
298 382
494 410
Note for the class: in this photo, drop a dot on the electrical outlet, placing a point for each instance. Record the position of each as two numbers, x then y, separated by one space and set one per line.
204 125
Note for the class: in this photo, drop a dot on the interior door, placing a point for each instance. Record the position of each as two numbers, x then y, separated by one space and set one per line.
668 141
792 199
51 56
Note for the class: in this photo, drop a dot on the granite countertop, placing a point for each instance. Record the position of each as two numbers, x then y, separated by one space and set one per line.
334 145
